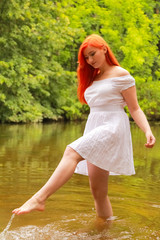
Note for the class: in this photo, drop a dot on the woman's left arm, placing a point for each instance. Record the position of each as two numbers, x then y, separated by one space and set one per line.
138 115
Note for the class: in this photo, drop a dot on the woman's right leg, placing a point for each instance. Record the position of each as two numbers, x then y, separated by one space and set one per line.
60 176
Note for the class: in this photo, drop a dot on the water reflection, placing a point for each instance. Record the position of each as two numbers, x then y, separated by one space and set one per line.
28 156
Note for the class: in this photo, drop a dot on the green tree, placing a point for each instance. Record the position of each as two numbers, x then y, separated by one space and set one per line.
32 78
39 41
132 29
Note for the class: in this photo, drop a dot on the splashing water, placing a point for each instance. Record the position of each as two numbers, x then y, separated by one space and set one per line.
48 232
2 234
86 230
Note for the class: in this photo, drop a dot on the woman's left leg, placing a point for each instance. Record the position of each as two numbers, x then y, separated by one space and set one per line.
98 179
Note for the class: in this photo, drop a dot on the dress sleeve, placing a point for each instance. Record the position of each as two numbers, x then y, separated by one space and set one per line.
124 82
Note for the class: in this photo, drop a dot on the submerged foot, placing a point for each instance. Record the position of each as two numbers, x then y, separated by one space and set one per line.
33 204
103 223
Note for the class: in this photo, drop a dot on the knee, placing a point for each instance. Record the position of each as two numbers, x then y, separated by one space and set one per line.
99 193
71 153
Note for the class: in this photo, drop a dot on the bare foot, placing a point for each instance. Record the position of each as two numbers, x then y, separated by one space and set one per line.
31 205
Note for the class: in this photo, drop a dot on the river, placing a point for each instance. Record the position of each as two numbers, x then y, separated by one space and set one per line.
28 156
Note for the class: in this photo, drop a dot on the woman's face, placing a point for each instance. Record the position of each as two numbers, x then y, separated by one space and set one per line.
95 56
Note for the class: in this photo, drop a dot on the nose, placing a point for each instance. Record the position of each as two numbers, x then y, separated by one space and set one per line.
90 60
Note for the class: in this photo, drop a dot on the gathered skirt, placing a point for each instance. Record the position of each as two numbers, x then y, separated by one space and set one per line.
106 142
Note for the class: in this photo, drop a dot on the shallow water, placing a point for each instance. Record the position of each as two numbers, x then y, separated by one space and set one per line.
28 156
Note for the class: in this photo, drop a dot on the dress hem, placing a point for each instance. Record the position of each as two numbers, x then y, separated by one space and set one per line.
111 172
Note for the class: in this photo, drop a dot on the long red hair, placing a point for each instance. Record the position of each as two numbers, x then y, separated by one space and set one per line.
86 73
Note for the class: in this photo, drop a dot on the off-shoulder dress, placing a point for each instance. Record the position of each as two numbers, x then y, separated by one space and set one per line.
106 141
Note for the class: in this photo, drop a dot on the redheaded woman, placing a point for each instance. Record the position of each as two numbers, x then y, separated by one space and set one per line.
106 147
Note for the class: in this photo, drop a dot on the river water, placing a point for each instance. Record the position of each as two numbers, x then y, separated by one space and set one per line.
28 156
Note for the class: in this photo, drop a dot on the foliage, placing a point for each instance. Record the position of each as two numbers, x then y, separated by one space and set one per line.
39 41
31 77
149 99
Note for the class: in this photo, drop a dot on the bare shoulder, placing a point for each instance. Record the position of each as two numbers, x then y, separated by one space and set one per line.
120 72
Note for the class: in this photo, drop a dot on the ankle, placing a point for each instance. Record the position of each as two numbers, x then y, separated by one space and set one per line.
39 198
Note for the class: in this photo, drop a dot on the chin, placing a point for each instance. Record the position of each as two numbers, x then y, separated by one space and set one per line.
94 66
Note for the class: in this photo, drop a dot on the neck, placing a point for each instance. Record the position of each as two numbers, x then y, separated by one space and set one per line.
105 68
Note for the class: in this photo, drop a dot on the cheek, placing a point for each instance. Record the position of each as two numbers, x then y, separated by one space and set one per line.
96 56
99 55
102 57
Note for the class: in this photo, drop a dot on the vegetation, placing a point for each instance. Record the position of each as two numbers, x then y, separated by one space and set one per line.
39 41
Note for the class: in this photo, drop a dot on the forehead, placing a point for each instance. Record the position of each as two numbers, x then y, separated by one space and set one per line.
89 49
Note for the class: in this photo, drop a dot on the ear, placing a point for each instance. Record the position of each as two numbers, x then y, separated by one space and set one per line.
104 49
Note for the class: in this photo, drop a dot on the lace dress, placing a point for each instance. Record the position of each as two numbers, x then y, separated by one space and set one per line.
106 142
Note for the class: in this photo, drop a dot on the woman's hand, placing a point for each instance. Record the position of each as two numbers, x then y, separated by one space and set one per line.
150 139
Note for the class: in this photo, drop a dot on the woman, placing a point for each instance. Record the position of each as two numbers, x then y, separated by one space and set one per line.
106 145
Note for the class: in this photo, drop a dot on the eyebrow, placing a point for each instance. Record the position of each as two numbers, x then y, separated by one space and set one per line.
89 52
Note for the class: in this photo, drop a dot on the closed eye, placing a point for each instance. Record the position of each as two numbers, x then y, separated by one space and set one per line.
90 54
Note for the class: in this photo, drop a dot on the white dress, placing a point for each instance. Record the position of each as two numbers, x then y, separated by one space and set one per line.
106 142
